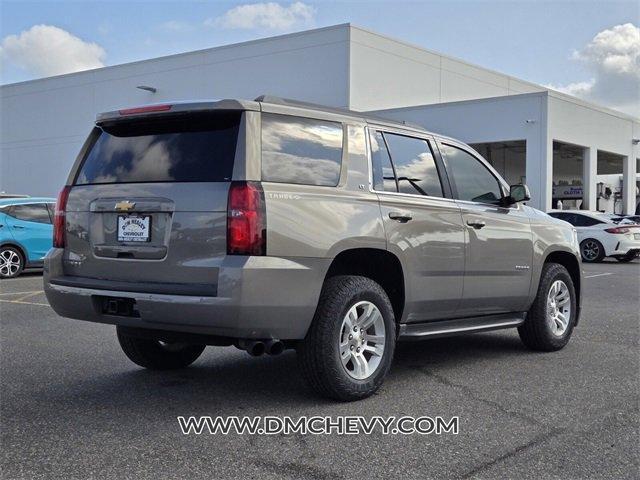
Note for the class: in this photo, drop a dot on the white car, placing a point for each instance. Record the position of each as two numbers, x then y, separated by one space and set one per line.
602 235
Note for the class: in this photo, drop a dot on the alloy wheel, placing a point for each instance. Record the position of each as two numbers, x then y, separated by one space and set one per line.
590 250
362 340
10 263
559 307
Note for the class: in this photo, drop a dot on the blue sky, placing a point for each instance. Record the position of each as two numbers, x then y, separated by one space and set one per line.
543 42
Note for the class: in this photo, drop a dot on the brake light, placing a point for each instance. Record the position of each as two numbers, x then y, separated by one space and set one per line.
147 109
246 219
618 230
59 218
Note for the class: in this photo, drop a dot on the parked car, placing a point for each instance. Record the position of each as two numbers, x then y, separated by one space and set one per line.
626 218
274 224
4 195
603 235
26 232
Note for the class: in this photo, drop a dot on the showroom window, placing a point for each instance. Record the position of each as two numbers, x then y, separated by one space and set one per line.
473 181
414 165
301 150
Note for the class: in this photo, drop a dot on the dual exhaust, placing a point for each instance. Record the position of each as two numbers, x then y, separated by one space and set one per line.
256 348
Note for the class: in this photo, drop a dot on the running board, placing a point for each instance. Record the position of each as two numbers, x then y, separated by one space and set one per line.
444 328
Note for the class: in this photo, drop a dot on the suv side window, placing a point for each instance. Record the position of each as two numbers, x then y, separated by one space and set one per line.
384 178
472 180
414 165
34 212
301 150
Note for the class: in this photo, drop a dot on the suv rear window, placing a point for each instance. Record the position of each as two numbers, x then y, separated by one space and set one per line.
301 150
188 148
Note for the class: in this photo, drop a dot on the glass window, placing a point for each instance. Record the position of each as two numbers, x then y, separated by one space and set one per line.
194 148
301 150
384 179
52 210
473 181
584 221
35 212
414 164
572 218
559 215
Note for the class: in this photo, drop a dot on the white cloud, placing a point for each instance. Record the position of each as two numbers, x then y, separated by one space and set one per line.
613 56
267 16
45 50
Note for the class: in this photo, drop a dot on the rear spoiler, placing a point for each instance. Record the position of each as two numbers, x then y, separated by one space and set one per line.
145 111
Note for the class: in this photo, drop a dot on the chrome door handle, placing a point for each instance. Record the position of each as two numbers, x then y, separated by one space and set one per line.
477 224
402 217
18 226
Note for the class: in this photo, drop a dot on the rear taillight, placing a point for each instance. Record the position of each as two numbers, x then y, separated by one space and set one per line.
246 219
617 230
59 218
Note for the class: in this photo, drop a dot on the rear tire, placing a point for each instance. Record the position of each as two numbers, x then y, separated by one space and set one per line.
157 355
591 250
11 262
338 362
551 319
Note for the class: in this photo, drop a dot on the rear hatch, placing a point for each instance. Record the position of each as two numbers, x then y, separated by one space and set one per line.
148 203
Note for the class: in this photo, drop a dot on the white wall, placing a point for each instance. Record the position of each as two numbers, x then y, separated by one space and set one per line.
387 73
44 122
578 123
492 120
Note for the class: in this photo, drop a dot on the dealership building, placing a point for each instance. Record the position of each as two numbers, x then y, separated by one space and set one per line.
565 149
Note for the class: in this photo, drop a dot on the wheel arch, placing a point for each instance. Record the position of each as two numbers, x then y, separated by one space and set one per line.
573 266
19 247
380 265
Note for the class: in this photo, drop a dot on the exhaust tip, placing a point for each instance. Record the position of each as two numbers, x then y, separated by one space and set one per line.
256 349
274 347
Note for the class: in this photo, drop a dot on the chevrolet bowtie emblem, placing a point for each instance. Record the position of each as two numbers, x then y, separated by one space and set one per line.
125 206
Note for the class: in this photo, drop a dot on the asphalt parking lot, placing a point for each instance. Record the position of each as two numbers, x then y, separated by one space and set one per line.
73 406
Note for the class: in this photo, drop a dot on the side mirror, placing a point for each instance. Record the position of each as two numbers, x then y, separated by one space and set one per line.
519 193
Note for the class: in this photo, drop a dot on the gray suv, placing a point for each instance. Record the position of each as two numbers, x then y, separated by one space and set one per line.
274 224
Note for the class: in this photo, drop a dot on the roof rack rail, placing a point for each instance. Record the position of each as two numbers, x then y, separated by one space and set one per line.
363 115
300 103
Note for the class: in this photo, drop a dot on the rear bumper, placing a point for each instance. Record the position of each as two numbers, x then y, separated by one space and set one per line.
624 247
256 297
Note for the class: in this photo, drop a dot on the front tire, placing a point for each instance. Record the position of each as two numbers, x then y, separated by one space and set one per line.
552 316
350 345
157 355
11 262
592 251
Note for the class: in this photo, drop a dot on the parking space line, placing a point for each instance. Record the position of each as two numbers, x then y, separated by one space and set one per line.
28 295
24 303
20 293
597 275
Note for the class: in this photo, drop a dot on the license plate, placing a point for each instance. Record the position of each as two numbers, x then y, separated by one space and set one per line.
133 228
636 236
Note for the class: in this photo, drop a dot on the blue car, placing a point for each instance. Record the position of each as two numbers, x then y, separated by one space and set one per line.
26 233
